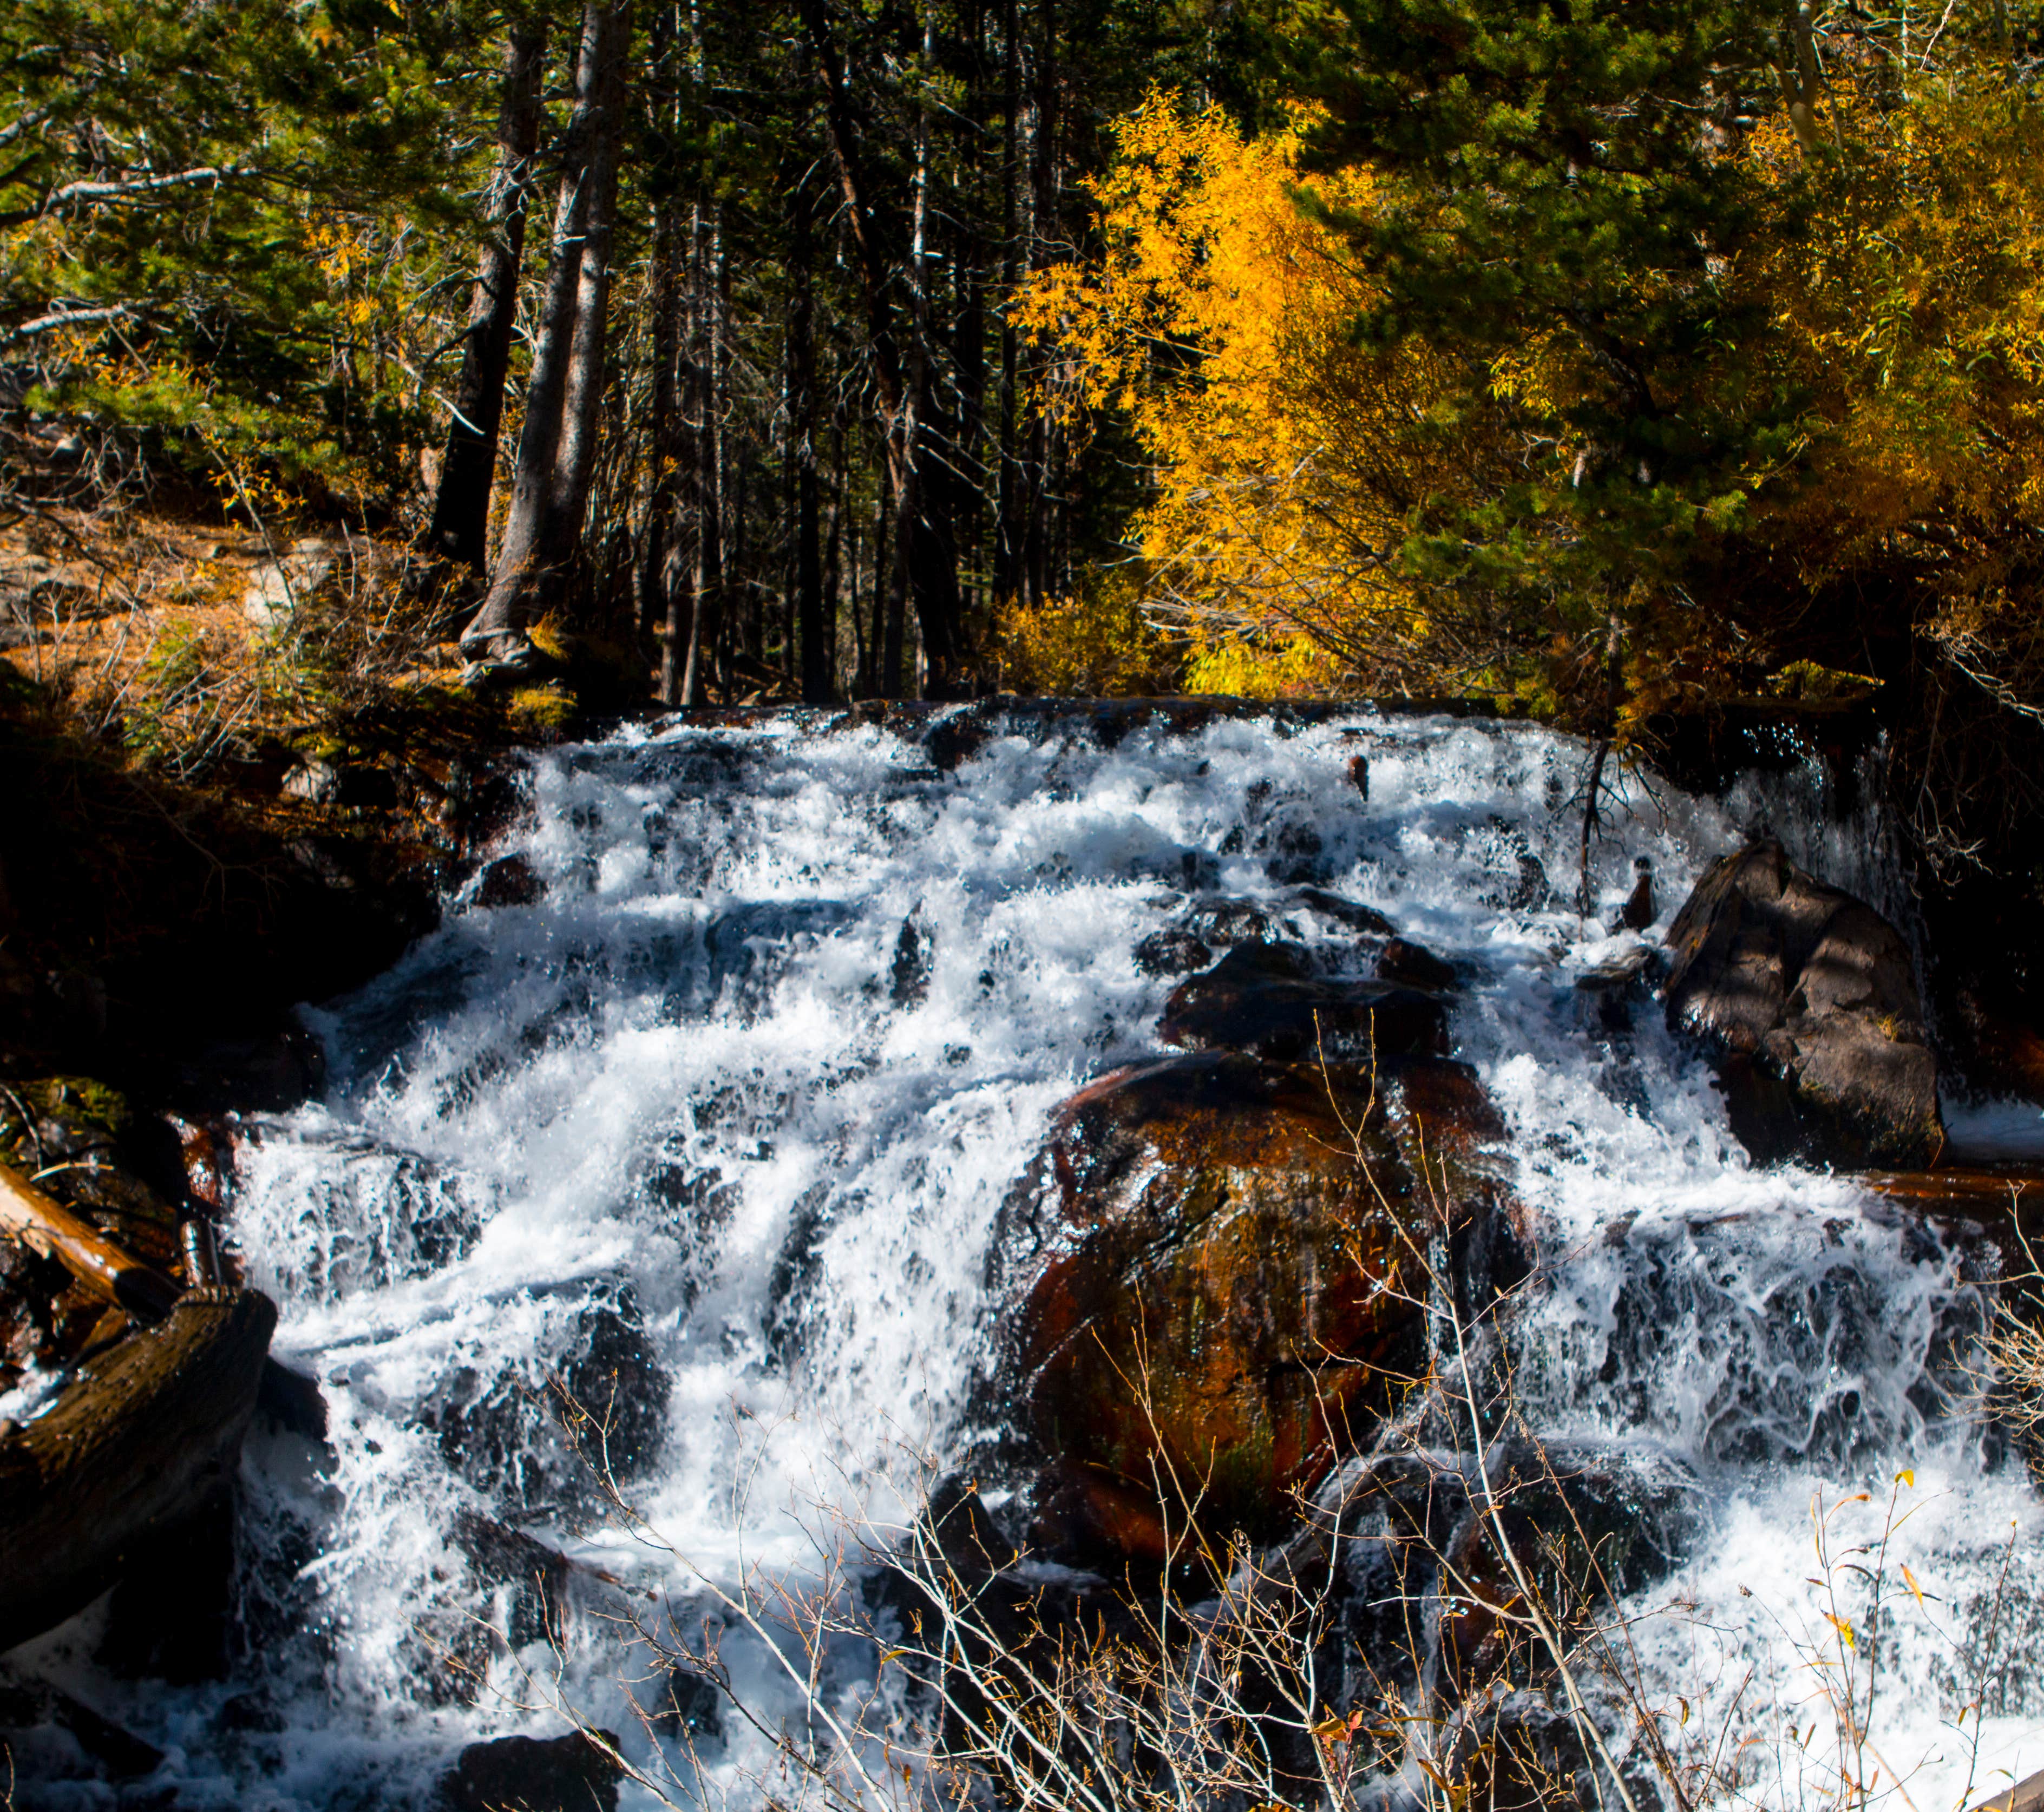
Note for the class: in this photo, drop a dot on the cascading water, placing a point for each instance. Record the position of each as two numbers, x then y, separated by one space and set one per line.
715 1133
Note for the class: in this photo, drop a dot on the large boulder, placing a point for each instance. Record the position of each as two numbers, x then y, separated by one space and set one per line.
1235 1263
1264 998
1809 1000
577 1772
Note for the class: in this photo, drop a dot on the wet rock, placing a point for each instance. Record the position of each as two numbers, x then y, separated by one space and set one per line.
2004 1050
571 1773
1412 966
509 882
1619 973
1171 953
268 1072
908 981
1230 1281
1263 998
1358 774
1399 1568
543 1437
170 1616
1808 1001
1297 855
954 740
108 1750
1636 913
1012 1621
1352 913
1526 888
1224 922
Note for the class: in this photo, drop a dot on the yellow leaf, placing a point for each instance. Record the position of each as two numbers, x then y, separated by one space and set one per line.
1907 1477
1909 1579
1844 1628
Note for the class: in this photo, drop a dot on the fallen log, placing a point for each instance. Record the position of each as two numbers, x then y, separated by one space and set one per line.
145 1432
2025 1796
44 1226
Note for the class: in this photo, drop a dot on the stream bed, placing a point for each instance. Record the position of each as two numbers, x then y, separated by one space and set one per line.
711 1133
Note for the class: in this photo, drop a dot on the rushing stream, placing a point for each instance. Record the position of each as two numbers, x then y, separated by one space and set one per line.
716 1131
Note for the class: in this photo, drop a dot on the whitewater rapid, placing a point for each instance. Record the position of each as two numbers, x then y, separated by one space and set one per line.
717 1128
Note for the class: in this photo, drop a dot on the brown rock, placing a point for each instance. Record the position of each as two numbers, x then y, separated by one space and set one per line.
1808 1000
1413 966
1264 999
1232 1292
509 882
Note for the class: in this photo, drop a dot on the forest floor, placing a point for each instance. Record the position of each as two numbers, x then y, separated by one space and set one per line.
239 769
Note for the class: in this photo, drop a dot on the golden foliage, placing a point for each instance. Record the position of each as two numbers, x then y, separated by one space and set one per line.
1097 644
1285 462
1889 379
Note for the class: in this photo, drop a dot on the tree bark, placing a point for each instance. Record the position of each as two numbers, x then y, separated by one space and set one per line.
817 685
460 525
556 450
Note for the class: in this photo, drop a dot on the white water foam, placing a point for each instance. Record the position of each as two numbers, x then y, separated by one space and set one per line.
719 1128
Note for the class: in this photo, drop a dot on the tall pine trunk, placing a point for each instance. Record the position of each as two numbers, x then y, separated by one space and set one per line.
557 449
817 685
460 525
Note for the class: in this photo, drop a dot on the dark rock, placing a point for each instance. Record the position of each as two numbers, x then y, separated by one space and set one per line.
270 1072
1358 774
1636 913
1807 999
1297 855
569 1773
291 1401
120 1754
954 740
1352 913
1224 922
2003 1050
1235 1241
1528 890
962 1532
1616 986
1413 966
692 1707
1619 973
1399 1569
914 953
169 1618
1171 953
509 882
1264 999
541 1436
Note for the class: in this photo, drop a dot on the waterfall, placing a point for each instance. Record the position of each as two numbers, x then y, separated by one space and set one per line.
714 1133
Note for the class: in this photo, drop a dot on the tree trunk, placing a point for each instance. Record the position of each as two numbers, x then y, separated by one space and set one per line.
460 525
802 411
656 575
705 620
556 450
